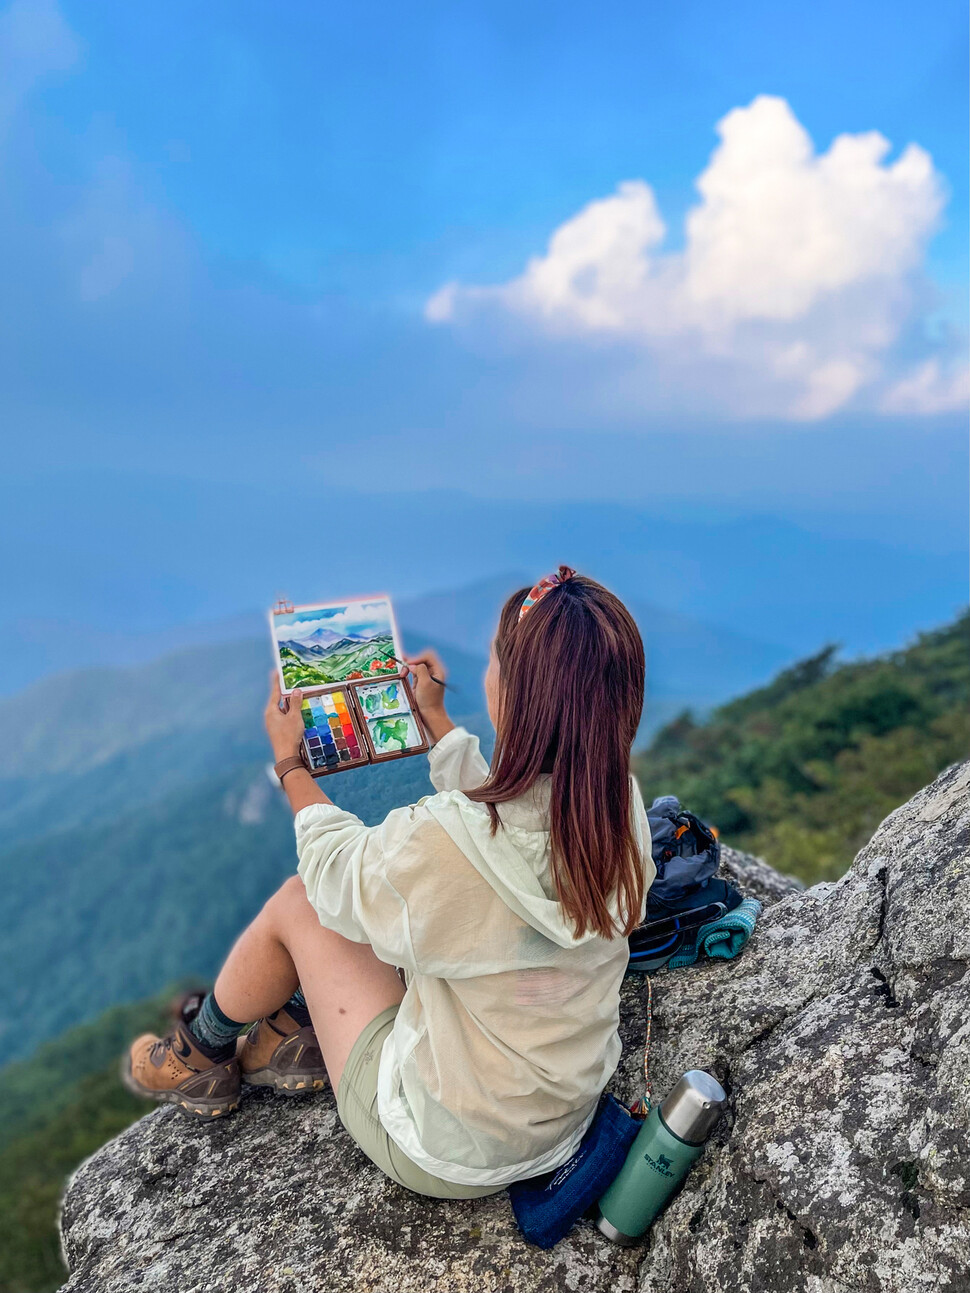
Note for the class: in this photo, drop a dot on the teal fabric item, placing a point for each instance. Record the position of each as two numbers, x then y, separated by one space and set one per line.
722 938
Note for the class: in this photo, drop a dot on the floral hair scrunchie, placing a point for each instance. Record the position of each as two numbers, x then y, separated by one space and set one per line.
539 590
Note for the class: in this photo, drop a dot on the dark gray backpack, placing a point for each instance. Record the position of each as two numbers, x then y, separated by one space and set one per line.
686 894
686 852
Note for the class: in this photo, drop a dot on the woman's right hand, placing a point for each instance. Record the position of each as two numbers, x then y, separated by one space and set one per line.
429 695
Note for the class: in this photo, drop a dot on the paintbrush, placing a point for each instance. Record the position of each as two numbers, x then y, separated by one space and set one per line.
448 686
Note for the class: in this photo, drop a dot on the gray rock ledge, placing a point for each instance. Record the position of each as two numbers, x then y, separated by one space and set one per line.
842 1034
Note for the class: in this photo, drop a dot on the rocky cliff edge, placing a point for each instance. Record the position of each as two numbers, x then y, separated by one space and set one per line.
841 1033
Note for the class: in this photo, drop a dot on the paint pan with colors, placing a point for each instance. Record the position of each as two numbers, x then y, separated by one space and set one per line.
394 735
329 733
383 700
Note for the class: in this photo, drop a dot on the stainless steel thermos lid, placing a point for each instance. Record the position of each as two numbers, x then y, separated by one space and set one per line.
693 1106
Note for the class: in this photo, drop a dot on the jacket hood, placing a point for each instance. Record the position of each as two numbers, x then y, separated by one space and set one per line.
515 860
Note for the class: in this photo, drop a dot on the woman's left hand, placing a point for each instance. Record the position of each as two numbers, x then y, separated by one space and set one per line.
283 726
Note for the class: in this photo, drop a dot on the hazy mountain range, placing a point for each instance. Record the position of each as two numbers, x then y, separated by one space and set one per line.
690 661
759 577
324 643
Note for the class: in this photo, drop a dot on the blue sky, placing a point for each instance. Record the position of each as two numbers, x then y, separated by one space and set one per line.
385 153
237 239
361 619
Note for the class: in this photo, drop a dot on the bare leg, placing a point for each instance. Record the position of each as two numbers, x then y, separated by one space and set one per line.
259 975
344 983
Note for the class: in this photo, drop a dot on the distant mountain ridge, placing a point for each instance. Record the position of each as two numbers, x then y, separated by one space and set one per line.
688 653
757 575
102 710
322 637
320 646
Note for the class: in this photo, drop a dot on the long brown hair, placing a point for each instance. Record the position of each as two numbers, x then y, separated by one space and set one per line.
572 676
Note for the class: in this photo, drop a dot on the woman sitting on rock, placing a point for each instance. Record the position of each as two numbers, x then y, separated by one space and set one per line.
505 899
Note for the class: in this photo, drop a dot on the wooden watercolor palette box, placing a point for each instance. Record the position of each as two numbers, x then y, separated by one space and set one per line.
346 657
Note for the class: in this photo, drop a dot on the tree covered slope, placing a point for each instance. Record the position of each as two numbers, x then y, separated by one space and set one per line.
56 1108
803 770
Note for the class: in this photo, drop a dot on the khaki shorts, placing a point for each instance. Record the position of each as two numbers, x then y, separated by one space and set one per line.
357 1110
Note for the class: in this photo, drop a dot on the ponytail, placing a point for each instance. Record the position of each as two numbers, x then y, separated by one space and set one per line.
572 677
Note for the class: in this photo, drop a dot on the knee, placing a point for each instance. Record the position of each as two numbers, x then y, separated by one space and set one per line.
292 890
287 904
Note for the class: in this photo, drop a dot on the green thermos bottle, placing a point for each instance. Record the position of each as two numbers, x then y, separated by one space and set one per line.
671 1138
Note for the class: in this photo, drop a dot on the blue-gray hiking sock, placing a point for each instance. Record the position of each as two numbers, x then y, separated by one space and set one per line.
296 1008
214 1031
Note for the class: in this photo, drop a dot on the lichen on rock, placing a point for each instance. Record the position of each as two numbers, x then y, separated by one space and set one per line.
841 1033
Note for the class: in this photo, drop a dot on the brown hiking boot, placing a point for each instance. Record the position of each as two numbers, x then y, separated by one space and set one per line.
278 1052
173 1069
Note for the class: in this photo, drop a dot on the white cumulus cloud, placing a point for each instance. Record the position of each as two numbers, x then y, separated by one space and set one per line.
928 390
799 273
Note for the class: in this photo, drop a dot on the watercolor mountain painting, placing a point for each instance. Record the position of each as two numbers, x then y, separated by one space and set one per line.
335 642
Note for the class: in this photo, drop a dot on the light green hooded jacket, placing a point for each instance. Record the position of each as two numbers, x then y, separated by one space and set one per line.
507 1033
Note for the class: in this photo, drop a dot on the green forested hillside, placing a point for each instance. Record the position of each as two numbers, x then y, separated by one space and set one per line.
112 911
55 1109
802 771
